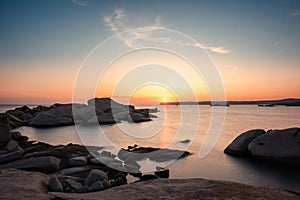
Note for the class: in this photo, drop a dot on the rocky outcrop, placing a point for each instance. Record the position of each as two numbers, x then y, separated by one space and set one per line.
281 146
109 106
72 168
98 111
239 146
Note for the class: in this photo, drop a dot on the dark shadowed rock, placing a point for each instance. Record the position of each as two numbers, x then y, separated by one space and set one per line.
76 186
278 145
10 156
78 161
5 135
148 177
97 186
138 117
13 146
94 176
239 146
108 105
106 184
46 164
163 173
46 119
185 141
55 185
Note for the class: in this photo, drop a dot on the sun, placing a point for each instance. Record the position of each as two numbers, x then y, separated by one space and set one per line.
164 100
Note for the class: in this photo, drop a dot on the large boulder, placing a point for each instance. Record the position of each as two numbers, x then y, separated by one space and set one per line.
13 146
78 161
239 146
108 105
10 156
45 164
47 119
277 145
5 135
55 185
94 176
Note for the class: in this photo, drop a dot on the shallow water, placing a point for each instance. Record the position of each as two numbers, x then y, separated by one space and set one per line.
163 132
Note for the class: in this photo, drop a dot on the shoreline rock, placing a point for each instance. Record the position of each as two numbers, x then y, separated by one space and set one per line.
279 146
74 169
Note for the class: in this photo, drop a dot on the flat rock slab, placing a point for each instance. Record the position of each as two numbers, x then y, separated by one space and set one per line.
184 189
45 164
16 184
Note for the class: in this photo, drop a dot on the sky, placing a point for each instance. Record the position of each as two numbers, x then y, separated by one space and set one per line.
148 51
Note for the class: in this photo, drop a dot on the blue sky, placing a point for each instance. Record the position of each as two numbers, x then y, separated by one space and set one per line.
240 36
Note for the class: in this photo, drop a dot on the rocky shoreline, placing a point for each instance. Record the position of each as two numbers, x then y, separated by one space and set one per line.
37 170
17 184
75 168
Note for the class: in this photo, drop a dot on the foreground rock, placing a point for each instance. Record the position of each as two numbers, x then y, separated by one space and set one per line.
16 184
45 164
5 135
33 185
281 146
74 169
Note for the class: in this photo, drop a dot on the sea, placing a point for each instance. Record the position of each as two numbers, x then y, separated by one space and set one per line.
203 127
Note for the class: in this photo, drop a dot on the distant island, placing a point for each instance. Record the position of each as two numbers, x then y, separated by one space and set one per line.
263 103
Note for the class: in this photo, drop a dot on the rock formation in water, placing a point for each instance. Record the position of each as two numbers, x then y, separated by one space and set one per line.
281 146
97 111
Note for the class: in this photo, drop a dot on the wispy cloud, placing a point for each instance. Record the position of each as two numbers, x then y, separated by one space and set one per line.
295 13
116 24
219 50
79 3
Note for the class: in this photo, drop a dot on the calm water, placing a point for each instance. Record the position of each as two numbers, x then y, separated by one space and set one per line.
163 132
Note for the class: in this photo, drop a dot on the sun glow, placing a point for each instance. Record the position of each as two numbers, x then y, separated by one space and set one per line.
165 100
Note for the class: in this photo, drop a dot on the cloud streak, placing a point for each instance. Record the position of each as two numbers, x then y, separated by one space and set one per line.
79 3
116 24
295 13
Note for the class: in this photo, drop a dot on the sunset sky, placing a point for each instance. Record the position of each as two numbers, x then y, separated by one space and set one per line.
254 45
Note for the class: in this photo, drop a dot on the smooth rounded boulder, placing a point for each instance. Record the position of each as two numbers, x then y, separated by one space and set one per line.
239 146
277 145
